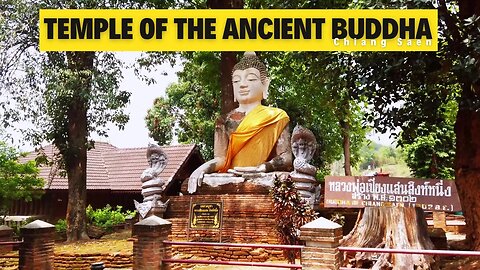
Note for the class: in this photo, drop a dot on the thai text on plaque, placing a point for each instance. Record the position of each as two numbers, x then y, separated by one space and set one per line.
206 215
379 191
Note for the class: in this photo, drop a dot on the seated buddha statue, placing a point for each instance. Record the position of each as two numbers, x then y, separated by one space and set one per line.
252 137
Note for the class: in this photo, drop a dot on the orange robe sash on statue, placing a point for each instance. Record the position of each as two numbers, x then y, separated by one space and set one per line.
255 137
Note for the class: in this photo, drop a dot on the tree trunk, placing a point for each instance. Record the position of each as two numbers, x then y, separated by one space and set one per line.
75 153
228 59
467 171
389 227
345 128
467 158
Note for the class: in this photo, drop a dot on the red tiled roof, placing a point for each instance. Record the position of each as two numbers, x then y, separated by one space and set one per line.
118 169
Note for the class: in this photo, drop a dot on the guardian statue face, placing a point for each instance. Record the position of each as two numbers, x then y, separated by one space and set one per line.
157 160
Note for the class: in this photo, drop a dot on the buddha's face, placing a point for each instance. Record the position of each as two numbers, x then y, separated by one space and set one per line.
248 87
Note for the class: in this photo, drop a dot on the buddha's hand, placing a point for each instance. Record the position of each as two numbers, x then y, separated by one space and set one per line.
261 168
195 179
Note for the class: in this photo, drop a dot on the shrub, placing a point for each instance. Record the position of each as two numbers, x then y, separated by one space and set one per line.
61 226
61 230
291 212
107 217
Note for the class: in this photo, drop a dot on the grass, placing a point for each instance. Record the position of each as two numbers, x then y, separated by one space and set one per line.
112 243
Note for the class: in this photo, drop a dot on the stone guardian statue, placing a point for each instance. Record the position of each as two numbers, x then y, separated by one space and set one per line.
304 145
152 184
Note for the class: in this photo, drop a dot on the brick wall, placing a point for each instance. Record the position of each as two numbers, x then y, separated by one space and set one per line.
65 261
247 218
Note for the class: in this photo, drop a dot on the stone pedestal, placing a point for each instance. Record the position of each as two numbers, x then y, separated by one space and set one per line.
36 252
322 239
151 208
6 235
233 183
149 250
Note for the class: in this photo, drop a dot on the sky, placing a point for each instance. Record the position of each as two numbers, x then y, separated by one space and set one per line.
135 133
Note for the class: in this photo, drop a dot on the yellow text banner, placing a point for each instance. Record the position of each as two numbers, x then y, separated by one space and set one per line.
238 30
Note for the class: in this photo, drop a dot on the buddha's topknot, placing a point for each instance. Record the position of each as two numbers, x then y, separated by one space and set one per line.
250 60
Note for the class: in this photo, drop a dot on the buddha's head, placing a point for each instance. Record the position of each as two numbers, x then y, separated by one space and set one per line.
250 80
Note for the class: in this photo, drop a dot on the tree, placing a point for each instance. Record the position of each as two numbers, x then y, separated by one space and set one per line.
193 104
424 81
286 81
227 59
430 149
67 95
389 227
159 123
467 125
332 115
18 181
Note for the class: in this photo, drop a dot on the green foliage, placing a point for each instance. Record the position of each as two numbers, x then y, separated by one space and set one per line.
61 226
160 121
299 76
430 144
192 104
107 217
376 155
432 155
290 213
18 181
66 96
430 149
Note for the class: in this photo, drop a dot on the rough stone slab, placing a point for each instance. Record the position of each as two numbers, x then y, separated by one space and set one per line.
266 181
218 180
321 223
38 224
305 186
153 221
220 175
